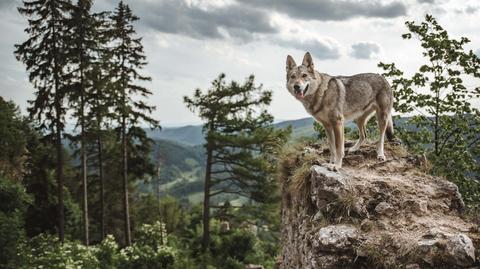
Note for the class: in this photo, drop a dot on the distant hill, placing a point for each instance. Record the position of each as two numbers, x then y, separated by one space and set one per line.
181 158
192 134
180 155
189 135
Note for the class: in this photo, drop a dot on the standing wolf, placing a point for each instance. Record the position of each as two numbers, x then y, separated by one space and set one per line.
332 100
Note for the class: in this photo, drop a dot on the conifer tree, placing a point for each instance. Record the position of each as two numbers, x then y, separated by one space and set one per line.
44 55
83 45
97 118
127 59
239 136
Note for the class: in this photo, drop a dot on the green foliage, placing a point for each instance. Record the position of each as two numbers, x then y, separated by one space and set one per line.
319 131
445 123
45 251
13 205
149 252
108 253
13 145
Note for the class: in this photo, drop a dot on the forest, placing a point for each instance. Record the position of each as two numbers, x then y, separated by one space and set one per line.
111 194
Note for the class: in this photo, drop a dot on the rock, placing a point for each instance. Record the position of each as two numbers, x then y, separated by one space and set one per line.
366 225
418 208
325 185
443 249
384 208
460 250
374 215
336 238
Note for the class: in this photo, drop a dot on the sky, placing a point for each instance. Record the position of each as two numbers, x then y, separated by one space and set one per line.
189 42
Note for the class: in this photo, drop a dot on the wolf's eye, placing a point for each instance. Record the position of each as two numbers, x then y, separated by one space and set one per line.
292 76
304 75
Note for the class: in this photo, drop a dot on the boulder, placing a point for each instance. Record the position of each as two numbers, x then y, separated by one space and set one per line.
373 214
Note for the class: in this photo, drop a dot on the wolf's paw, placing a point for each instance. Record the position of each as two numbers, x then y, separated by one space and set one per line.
331 167
381 158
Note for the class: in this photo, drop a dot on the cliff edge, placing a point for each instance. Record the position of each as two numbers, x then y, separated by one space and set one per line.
371 214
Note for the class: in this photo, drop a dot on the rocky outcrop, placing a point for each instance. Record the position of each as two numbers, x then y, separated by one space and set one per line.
371 214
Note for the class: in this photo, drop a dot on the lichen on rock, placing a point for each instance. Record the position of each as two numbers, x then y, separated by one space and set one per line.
371 214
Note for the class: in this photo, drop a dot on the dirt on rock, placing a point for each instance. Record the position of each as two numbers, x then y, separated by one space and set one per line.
371 214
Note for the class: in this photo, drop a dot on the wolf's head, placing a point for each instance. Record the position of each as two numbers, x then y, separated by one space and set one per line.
301 80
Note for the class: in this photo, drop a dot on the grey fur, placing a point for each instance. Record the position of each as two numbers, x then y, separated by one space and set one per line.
332 100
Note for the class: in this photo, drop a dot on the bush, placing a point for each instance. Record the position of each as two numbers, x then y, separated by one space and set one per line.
45 251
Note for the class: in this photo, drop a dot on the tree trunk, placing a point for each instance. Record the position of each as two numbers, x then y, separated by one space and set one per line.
128 238
84 156
61 214
58 133
206 200
102 187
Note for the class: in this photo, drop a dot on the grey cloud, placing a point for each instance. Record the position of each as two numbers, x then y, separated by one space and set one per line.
426 1
321 49
364 50
331 10
471 9
477 52
176 17
9 4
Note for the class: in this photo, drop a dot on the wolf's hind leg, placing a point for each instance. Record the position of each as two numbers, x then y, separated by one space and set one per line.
383 117
361 122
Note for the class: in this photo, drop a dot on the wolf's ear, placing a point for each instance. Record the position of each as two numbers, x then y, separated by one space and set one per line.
308 61
290 63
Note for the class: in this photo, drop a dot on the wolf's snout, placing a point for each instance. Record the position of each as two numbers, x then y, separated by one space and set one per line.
296 88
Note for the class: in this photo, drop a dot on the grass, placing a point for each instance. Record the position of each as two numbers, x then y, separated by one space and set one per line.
377 253
342 207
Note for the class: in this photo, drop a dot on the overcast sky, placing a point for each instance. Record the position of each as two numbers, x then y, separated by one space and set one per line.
189 42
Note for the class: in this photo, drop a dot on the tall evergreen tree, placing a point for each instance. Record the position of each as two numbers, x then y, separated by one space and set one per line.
44 56
83 46
127 59
97 118
239 135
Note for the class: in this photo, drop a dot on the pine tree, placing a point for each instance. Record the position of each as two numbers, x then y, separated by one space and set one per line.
83 47
44 56
127 59
97 118
239 136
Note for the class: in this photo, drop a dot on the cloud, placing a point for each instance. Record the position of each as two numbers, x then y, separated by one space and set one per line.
321 48
471 9
426 1
477 52
331 10
365 50
214 22
9 4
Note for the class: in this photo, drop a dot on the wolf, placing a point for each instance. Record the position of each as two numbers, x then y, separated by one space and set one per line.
333 100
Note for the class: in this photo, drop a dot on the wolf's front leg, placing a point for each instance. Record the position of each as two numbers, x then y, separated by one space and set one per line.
331 142
338 131
337 146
